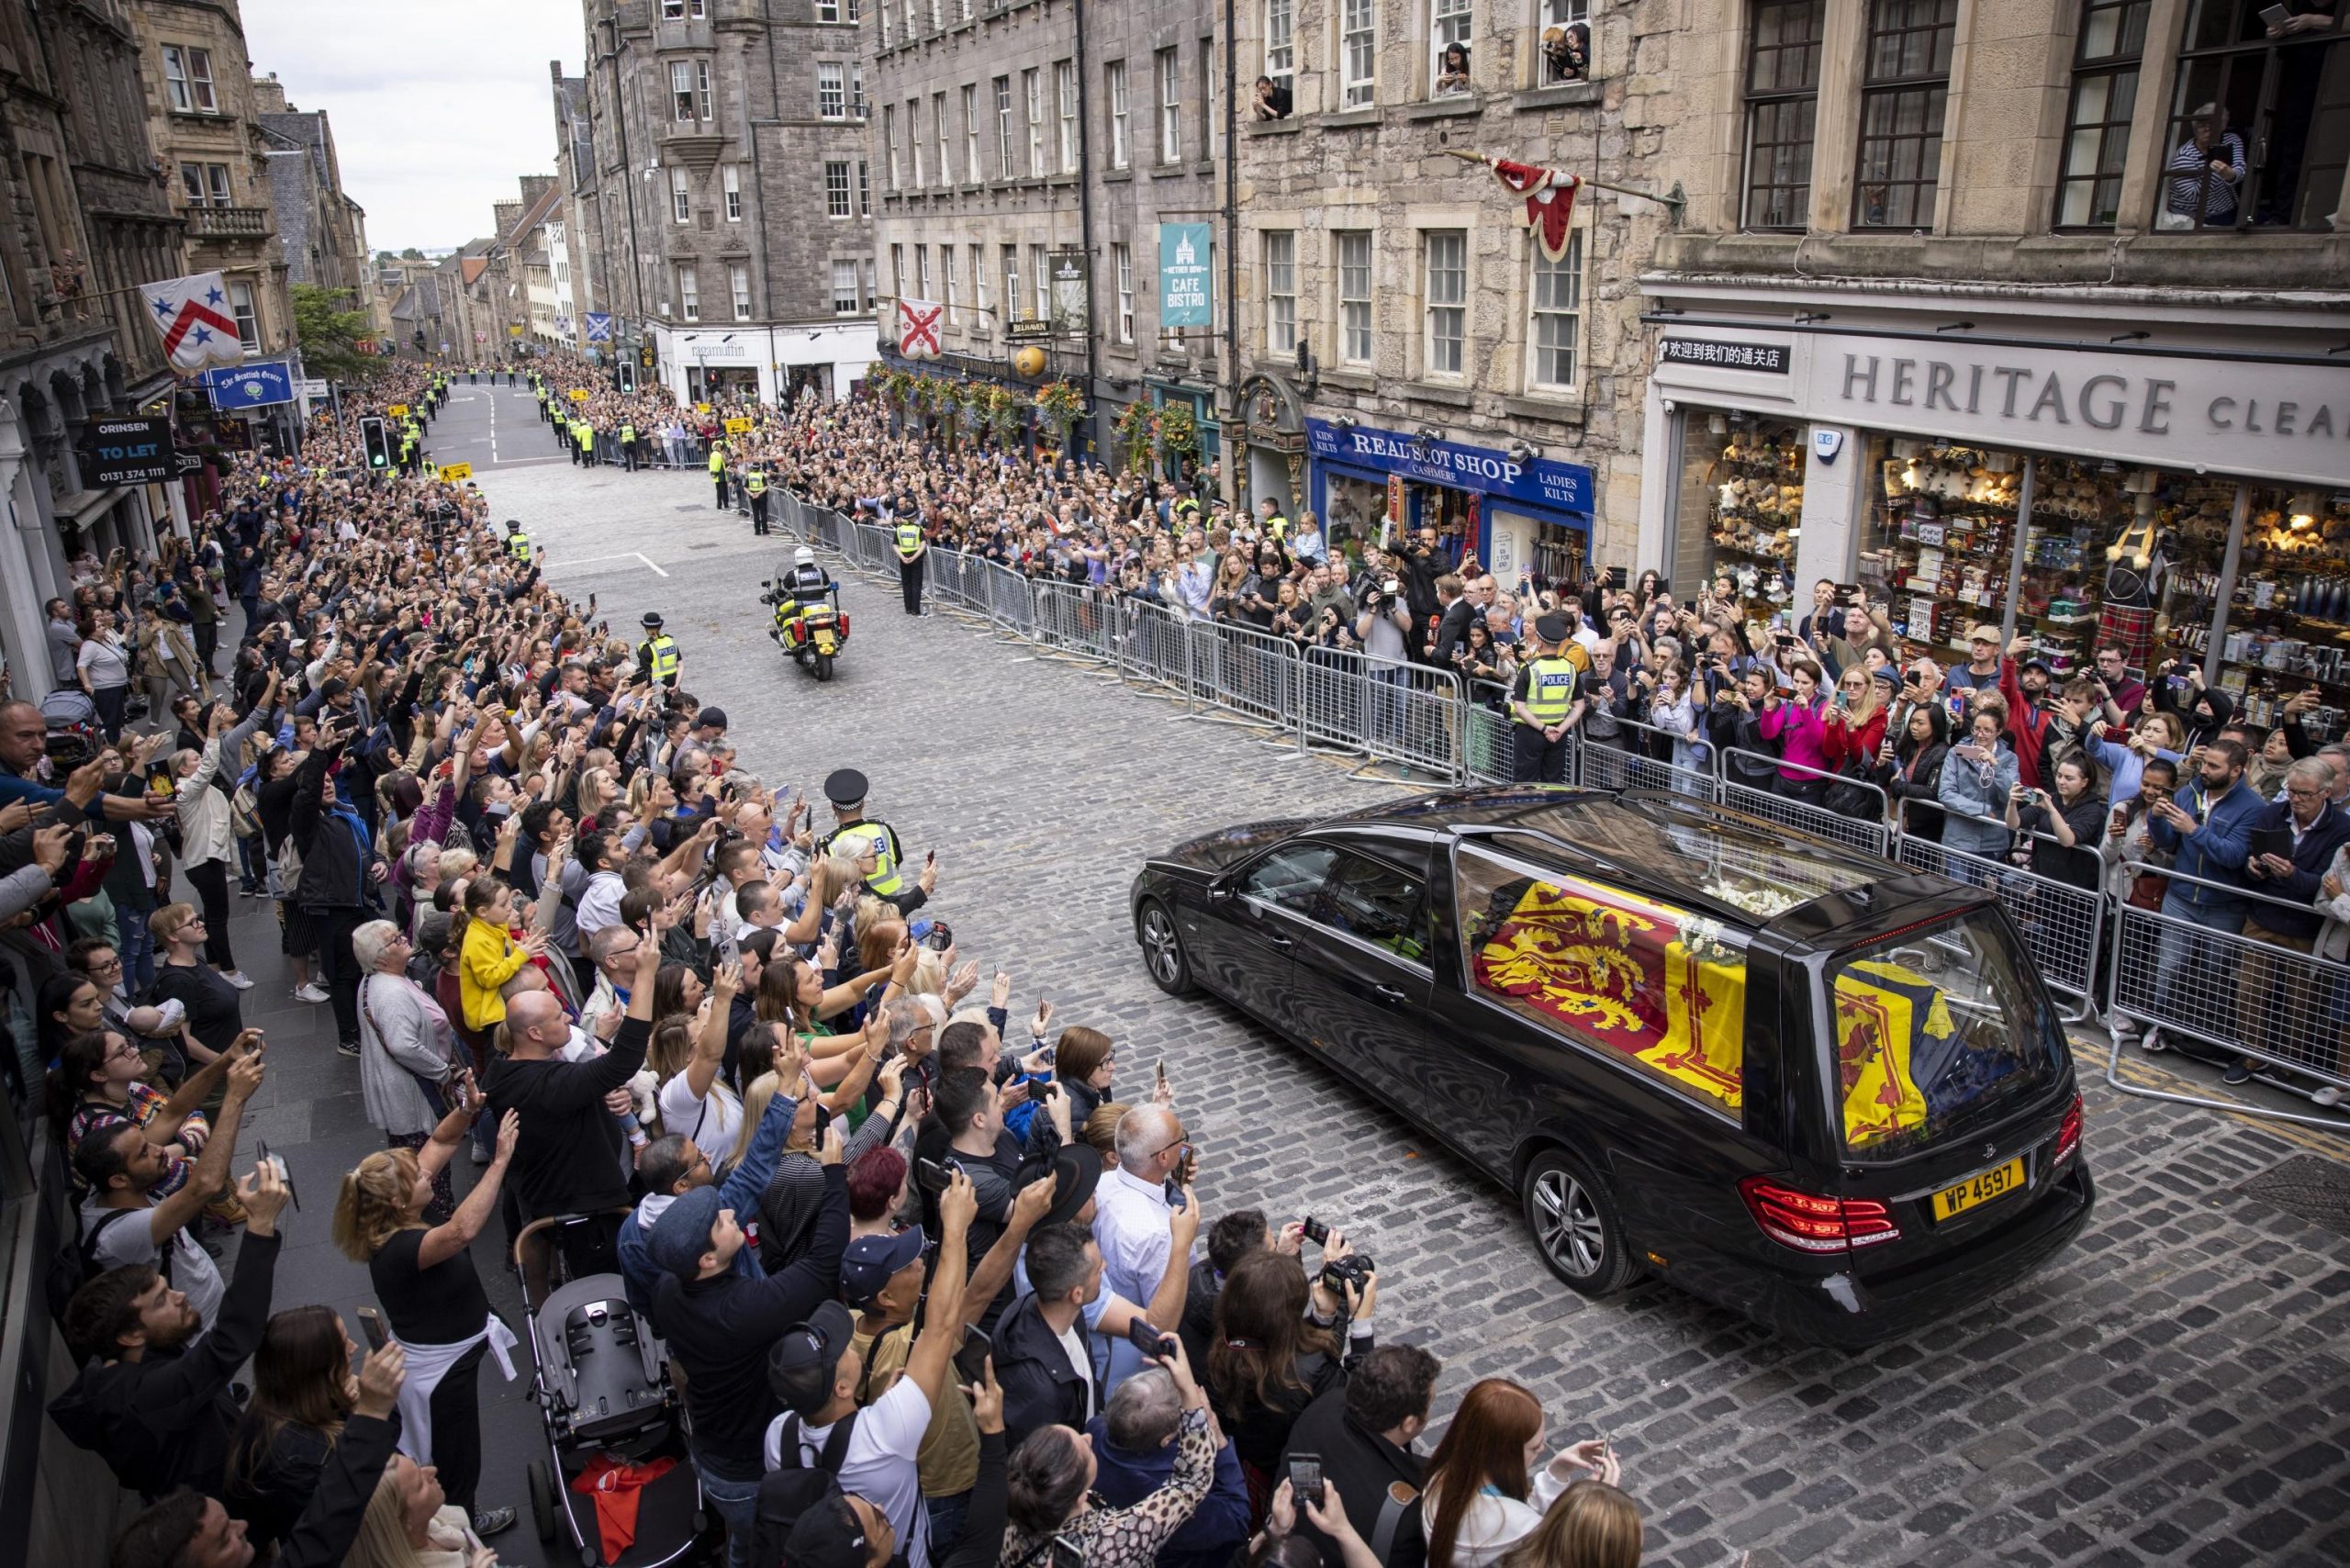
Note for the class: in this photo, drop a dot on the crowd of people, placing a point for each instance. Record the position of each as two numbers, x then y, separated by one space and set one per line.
931 1272
2143 787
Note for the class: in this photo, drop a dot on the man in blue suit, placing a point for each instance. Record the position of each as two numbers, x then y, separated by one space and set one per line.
2275 1010
2207 825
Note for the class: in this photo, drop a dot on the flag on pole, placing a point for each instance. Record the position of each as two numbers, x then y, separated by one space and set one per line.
196 320
918 334
1549 201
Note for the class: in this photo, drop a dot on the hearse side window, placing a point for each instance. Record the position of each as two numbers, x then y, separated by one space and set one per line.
1385 907
1932 1028
1291 877
1662 989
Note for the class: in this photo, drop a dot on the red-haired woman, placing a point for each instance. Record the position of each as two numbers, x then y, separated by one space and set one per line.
1487 1485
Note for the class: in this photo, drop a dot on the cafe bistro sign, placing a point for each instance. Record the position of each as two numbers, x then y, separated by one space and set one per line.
1536 482
2256 419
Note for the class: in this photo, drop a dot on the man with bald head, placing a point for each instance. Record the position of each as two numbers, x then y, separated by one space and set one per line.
572 1155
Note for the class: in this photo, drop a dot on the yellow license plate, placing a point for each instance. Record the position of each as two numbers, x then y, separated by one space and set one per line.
1982 1188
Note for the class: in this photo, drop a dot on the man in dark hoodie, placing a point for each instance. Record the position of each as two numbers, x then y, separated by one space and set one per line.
721 1325
152 1394
1363 1431
188 1530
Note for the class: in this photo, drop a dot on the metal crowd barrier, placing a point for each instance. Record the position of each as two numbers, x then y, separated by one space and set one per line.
1869 832
1252 675
2238 993
1076 617
2062 924
1154 646
1487 748
1639 759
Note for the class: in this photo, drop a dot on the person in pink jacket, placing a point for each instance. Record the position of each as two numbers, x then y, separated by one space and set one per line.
1799 724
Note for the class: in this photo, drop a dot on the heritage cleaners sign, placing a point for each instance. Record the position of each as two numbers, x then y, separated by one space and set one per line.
2254 418
1540 482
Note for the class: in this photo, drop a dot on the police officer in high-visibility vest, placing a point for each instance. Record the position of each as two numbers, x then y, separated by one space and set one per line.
657 656
856 837
585 434
628 445
1546 702
754 485
912 548
718 472
1276 524
518 541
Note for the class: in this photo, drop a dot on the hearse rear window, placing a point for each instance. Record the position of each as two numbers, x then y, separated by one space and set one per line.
1932 1027
1662 988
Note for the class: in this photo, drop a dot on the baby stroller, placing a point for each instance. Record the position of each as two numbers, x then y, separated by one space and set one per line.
599 1378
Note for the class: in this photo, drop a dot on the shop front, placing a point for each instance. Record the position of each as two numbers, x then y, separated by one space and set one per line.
2187 501
1519 514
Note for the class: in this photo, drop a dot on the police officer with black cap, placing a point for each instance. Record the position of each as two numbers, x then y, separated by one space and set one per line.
1547 704
657 655
853 831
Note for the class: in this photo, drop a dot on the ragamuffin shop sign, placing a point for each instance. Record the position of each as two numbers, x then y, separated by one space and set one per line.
2258 418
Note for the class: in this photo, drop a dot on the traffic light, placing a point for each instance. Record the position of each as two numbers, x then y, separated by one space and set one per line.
378 440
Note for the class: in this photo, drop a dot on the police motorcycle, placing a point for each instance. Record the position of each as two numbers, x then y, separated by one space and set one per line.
810 623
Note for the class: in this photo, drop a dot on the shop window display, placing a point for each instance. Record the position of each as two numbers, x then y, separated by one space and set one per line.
1741 509
2288 623
1357 514
1940 546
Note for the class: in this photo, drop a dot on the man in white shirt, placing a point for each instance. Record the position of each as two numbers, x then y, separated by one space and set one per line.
599 903
816 1370
1133 1218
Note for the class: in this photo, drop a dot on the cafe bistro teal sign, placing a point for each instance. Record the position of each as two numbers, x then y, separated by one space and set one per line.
1562 487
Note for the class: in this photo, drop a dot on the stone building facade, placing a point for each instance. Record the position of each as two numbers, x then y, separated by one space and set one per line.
204 122
702 192
1009 135
1406 343
322 229
1970 294
84 222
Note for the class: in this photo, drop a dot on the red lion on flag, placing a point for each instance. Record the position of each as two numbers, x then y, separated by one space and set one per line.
1549 201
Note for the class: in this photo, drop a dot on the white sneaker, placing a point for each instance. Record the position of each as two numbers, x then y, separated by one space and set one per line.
2154 1043
237 978
2329 1097
312 991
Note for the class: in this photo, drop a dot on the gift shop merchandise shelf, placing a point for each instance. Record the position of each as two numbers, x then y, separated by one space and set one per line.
2288 628
1744 477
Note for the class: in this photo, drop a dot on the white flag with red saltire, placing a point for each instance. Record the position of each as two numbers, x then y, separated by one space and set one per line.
918 331
1549 201
196 321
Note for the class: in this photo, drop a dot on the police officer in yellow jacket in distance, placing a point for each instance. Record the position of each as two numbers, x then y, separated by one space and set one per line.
585 434
754 485
1546 702
628 446
718 472
912 548
657 658
518 541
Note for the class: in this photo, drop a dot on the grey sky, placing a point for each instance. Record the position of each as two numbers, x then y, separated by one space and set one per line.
438 105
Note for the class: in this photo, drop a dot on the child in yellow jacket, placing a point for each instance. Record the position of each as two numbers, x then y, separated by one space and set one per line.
489 955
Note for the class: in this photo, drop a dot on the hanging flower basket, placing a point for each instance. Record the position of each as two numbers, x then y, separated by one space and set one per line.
1133 432
1061 404
1179 432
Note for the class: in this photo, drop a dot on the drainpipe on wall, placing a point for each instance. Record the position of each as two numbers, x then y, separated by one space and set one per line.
1085 221
1231 262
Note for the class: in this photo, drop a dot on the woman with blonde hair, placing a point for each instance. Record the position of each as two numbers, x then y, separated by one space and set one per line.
1592 1525
410 1523
1100 1132
432 1299
1487 1487
832 881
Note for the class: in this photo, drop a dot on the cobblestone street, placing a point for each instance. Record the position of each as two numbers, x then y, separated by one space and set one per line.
2174 1390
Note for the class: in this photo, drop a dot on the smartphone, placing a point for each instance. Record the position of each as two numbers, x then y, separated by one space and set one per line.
931 858
1315 1231
1158 1072
278 1161
1150 1341
972 1357
1305 1478
371 1323
1067 1553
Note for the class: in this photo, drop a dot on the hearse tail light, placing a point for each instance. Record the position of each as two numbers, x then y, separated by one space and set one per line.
2068 1135
1811 1223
